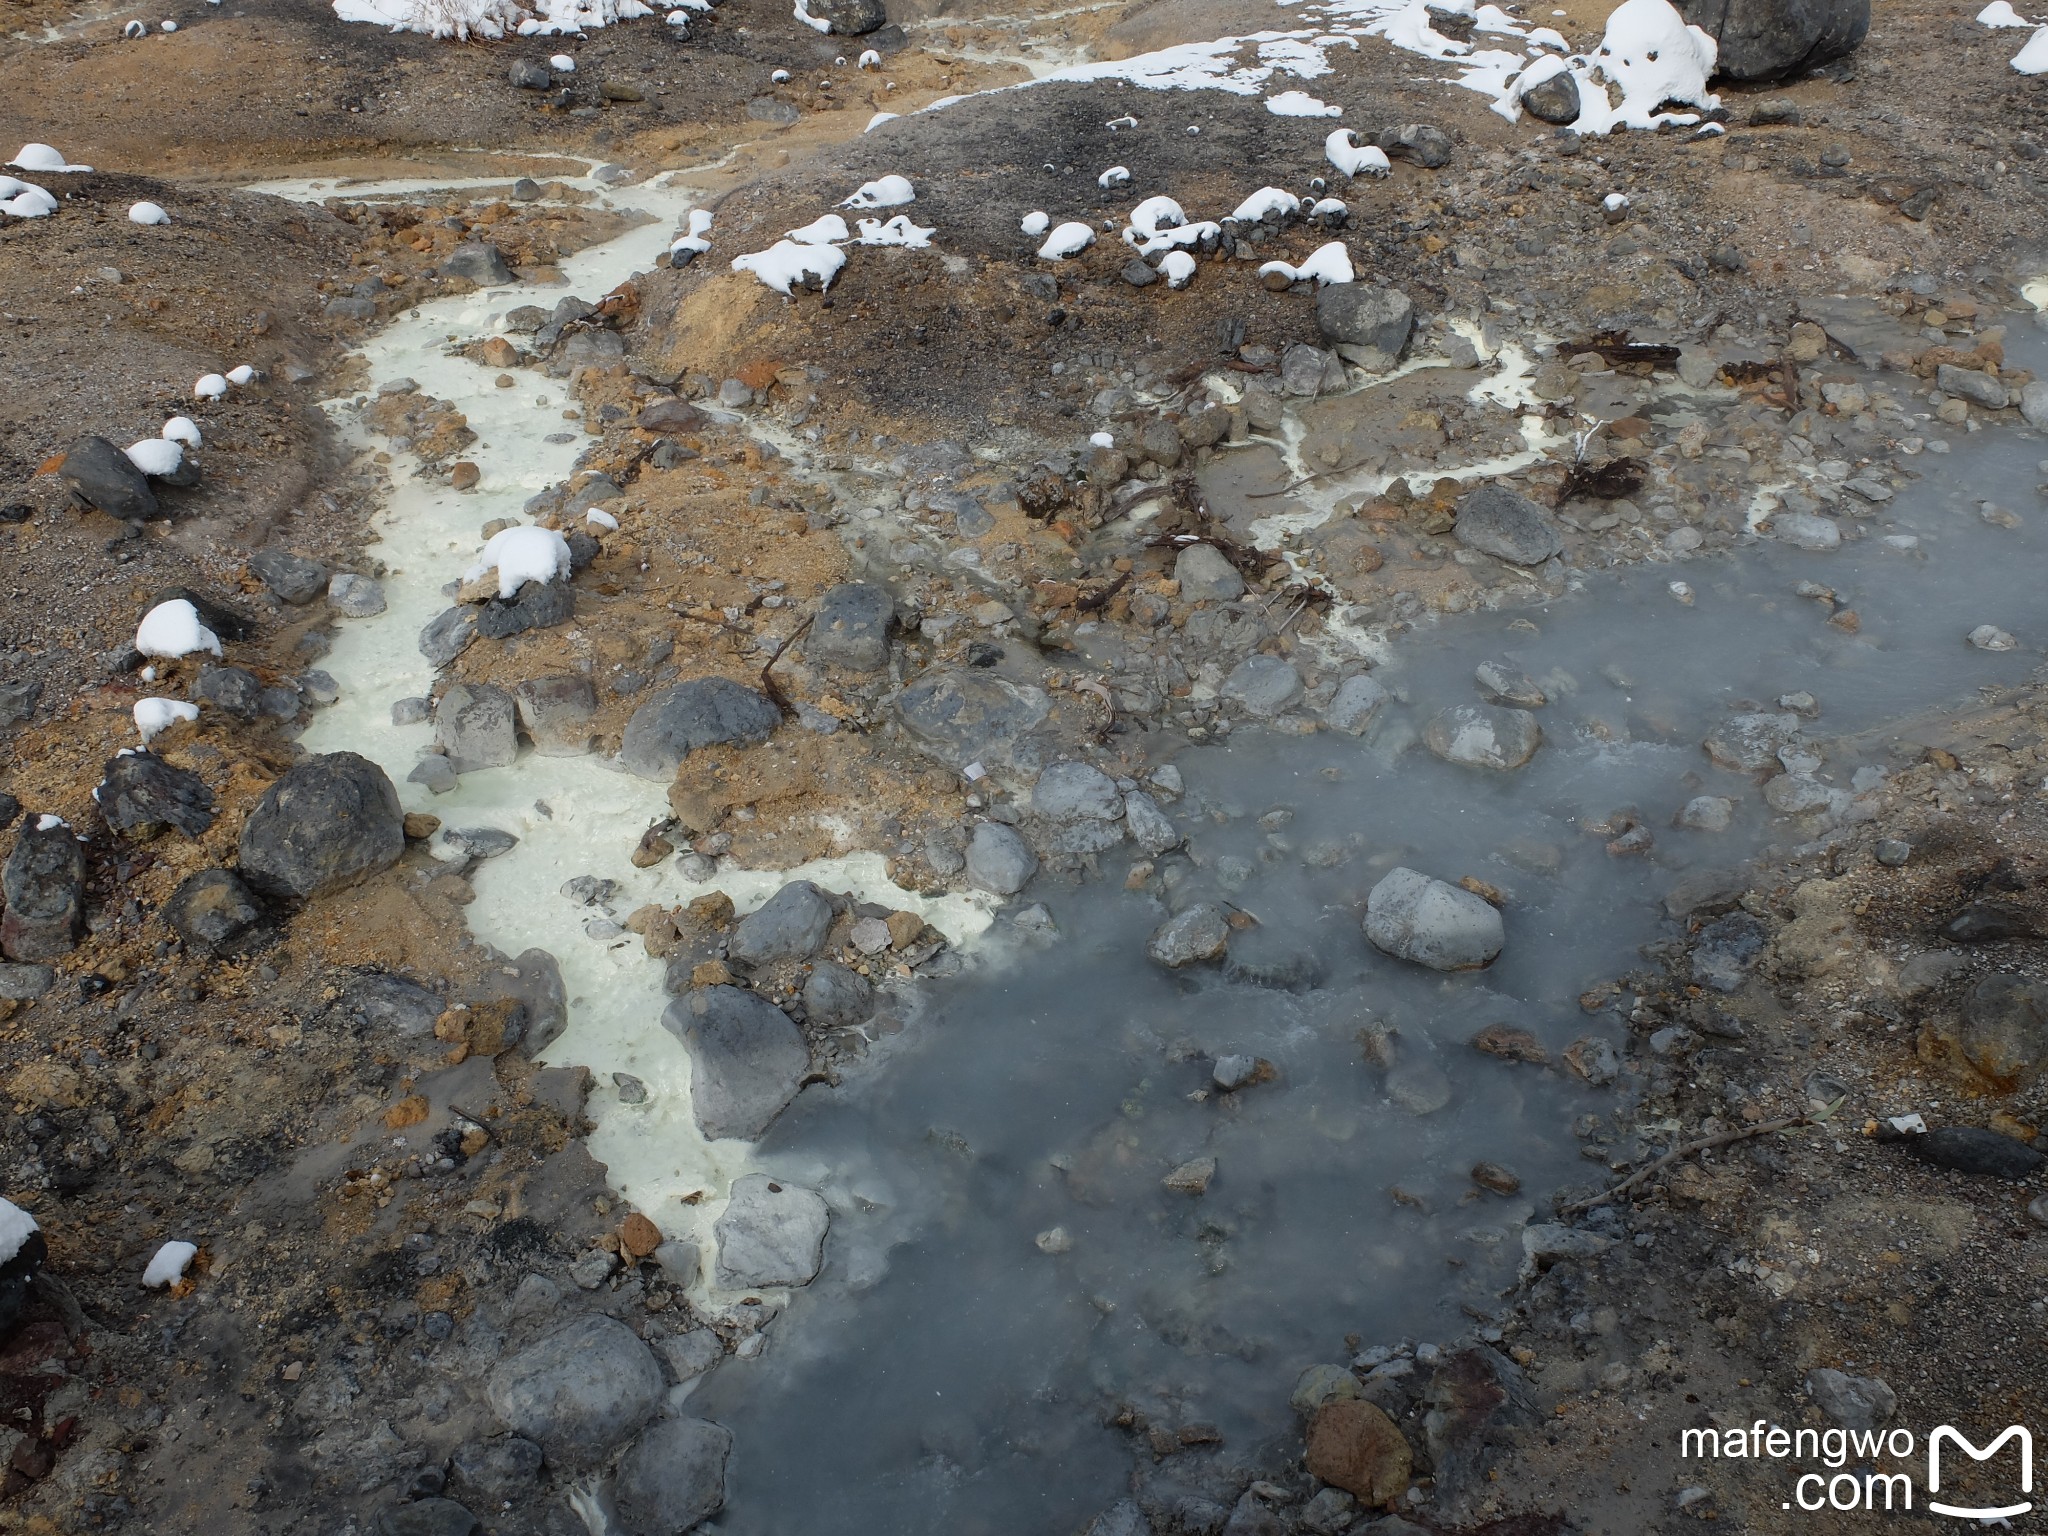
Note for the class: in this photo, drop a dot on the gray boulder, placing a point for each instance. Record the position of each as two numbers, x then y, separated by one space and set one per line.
1971 384
233 691
999 861
1367 325
43 882
578 1391
1413 917
1974 1150
380 1004
1771 39
211 910
355 597
836 997
326 824
25 982
850 18
687 717
140 789
476 726
536 605
1748 742
1854 1402
1205 575
1554 99
852 627
2034 404
790 925
479 261
1427 146
2004 1032
1483 736
747 1059
557 712
771 1234
1081 808
1495 521
447 635
292 577
1149 826
1262 685
99 475
673 1477
1200 933
1355 705
495 1471
529 75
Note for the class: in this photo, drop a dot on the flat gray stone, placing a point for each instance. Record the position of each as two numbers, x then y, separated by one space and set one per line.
1148 825
747 1059
1749 742
355 597
836 997
790 925
1075 791
1206 576
1187 938
1263 686
1355 705
1375 321
1971 384
579 1391
963 715
687 717
1854 1402
770 1234
479 261
673 1477
448 635
1413 917
292 577
1483 736
476 725
852 627
1495 521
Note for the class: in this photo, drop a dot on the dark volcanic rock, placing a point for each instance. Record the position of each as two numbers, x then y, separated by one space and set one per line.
140 789
97 474
684 718
1360 316
292 577
1972 1149
537 605
852 627
479 261
1427 146
849 18
213 910
1495 521
1770 39
232 690
43 882
1553 100
324 825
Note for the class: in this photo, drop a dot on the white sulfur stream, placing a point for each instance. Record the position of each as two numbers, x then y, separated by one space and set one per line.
573 816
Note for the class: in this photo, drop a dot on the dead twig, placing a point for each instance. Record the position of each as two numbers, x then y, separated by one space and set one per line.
768 684
1704 1144
1092 601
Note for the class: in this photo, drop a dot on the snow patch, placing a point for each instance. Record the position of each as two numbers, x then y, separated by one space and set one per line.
785 263
1178 268
156 456
181 429
148 213
883 192
1036 222
815 23
1300 104
16 1227
897 231
153 715
1264 203
870 59
880 118
173 629
2033 59
170 1264
241 374
1999 13
1326 264
24 199
1343 150
1069 239
210 386
42 157
823 230
597 517
520 555
1115 176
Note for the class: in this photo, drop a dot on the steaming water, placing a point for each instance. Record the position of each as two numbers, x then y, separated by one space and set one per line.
945 1375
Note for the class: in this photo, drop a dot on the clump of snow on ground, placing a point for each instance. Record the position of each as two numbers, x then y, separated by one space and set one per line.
1343 150
1115 176
148 213
1326 264
823 230
209 386
156 456
24 199
786 263
242 373
42 157
1068 239
897 231
1649 55
464 19
880 118
153 715
869 59
597 517
520 555
1160 224
1300 104
16 1227
170 1264
883 192
1265 202
1101 440
1036 222
698 224
1178 268
562 64
1999 13
2033 59
181 429
173 629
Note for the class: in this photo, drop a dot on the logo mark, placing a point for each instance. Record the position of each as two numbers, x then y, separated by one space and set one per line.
1949 1432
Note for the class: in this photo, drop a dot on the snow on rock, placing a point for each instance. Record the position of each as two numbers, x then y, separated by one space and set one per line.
597 517
1999 13
156 456
173 629
148 213
1343 150
1648 56
2033 59
698 224
1266 203
1326 264
520 555
24 199
1160 224
880 118
1178 268
897 231
459 19
823 230
1036 222
1614 202
870 59
779 77
562 64
41 157
170 1264
136 29
1115 176
815 23
211 386
16 1227
153 715
1068 239
786 263
181 429
46 822
883 192
1300 104
241 374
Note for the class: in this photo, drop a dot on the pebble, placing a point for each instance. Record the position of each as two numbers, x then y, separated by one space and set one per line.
1413 917
1989 637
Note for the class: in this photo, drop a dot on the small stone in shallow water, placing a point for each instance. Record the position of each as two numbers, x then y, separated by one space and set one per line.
1414 917
1989 637
1189 938
1192 1177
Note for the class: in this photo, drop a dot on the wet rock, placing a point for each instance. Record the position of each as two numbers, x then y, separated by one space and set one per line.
1263 685
2034 404
687 717
999 861
557 712
1594 1059
1331 1512
1138 274
536 605
1231 1073
1320 1384
1707 813
965 715
1806 530
326 824
577 1391
479 261
381 1004
212 910
837 998
1273 957
771 1234
1081 806
1989 637
1418 1085
1974 1150
747 1059
355 597
1206 576
1148 825
1727 950
1200 933
427 1517
435 773
1501 683
790 925
850 18
43 882
670 414
476 727
141 790
1355 705
852 627
1123 1518
1353 1445
673 1477
496 1471
1482 736
1192 1177
1507 1043
1474 1404
1971 384
1854 1402
1367 325
99 475
1496 521
2003 1031
1554 99
1413 917
293 578
1427 146
529 75
1748 743
448 635
233 691
1548 1243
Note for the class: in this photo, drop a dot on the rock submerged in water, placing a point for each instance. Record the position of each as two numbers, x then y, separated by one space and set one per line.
673 1477
1496 521
1353 1445
771 1234
327 824
686 718
1413 917
1483 736
1200 933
